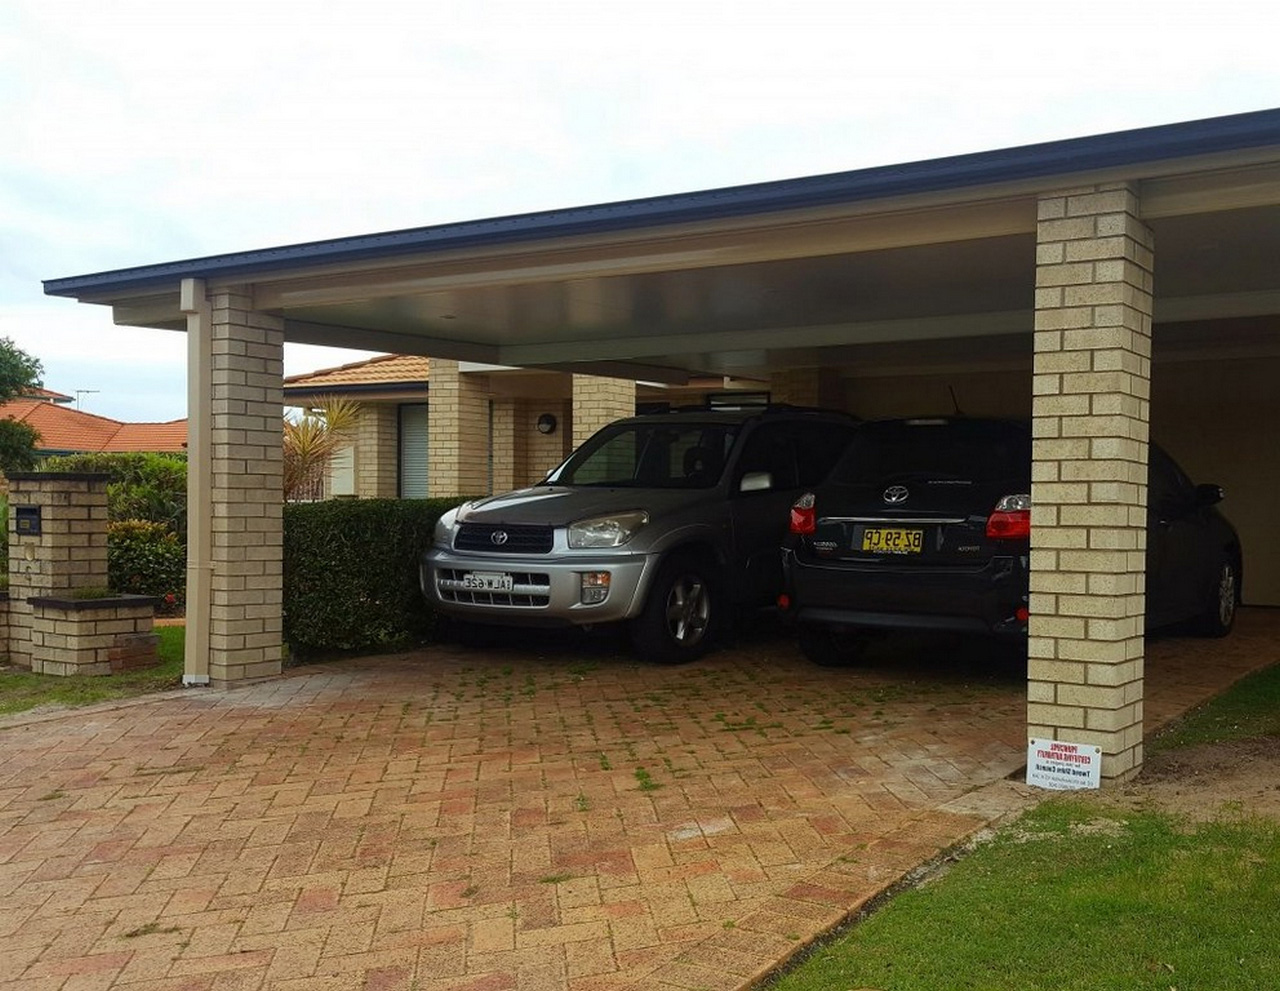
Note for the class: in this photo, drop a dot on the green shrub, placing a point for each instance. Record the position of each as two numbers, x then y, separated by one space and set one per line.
351 573
141 487
146 558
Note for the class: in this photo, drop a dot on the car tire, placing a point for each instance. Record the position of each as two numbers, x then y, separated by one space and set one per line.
1220 612
679 617
830 648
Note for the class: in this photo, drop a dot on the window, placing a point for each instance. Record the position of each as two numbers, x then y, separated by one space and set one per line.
342 472
413 451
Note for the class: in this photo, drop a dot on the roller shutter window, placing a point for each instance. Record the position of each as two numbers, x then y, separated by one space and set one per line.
413 451
342 472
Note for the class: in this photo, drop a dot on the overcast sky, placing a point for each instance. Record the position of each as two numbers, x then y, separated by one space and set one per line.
137 132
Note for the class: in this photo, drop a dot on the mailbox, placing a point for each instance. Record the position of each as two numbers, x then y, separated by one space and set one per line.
27 521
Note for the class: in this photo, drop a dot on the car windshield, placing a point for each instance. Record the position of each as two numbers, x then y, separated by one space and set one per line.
651 456
957 450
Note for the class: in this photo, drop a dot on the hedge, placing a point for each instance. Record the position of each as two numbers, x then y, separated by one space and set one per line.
351 573
147 558
141 487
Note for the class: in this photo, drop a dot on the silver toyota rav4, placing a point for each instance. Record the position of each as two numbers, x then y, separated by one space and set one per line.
665 521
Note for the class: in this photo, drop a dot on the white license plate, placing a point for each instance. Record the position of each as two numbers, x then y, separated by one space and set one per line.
487 581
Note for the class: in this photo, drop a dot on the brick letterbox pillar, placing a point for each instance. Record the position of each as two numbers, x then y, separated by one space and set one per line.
61 619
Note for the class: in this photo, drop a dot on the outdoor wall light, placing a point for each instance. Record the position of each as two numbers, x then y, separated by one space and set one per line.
546 424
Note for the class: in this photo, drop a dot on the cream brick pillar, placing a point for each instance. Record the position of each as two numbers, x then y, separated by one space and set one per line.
807 387
246 484
1090 412
598 401
458 428
376 451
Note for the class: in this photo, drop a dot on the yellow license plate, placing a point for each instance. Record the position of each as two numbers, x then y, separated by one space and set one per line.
886 540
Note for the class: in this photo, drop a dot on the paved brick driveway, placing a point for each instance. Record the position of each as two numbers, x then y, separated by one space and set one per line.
509 820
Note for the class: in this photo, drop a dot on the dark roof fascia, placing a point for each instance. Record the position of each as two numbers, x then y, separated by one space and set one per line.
292 391
1164 142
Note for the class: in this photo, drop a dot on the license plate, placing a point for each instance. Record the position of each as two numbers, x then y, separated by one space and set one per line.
889 540
487 581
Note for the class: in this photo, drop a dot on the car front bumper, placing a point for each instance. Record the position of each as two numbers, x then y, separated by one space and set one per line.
547 589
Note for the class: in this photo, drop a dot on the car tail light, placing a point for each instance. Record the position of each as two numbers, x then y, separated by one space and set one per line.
1011 519
804 518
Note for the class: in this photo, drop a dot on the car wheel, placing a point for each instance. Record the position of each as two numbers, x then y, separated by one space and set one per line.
1220 613
831 648
677 622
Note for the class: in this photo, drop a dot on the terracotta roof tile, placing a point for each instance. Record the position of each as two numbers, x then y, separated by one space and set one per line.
48 394
170 436
384 370
64 429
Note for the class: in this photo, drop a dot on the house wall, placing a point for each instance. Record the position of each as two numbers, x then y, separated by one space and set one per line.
544 451
376 451
993 393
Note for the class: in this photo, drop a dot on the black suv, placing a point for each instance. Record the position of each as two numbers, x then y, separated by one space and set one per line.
925 524
664 521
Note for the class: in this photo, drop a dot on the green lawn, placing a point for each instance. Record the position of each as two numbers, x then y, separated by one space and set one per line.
1082 895
1250 708
21 690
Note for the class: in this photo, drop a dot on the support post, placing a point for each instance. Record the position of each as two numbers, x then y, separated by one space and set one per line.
195 304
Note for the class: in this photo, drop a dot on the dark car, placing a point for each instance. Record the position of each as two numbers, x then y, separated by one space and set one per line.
925 524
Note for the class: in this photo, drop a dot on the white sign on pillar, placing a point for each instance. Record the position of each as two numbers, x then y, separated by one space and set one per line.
1063 766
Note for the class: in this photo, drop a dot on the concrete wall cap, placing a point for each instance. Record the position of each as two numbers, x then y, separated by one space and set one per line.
115 601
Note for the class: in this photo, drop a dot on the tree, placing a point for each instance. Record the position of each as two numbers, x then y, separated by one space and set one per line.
19 374
310 442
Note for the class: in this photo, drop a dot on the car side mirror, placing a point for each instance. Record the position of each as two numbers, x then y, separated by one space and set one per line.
1208 495
756 481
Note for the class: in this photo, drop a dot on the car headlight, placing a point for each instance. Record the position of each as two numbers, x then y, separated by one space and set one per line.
613 530
442 535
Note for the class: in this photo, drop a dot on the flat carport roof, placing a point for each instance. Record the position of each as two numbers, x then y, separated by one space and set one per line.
751 278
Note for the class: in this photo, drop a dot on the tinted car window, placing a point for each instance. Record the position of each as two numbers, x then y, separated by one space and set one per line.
934 448
818 447
1171 491
659 456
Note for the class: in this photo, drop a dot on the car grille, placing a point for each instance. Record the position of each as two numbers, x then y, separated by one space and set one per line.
530 590
519 540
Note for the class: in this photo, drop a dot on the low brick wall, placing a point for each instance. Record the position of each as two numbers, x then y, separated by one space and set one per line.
92 636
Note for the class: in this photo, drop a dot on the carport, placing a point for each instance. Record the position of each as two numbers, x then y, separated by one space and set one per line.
1104 286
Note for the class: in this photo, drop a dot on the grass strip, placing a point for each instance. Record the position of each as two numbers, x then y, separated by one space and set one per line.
1249 708
21 690
1076 895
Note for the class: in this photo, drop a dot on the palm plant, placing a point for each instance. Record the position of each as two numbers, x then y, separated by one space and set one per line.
311 439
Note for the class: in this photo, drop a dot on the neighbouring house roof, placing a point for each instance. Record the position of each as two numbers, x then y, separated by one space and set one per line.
397 370
70 430
48 395
401 375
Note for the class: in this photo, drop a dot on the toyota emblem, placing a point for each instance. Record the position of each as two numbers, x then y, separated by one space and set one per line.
499 537
895 494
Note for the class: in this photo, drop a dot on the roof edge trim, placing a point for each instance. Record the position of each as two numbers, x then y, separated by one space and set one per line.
1163 142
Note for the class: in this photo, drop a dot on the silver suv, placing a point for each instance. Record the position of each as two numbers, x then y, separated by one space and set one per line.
665 521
